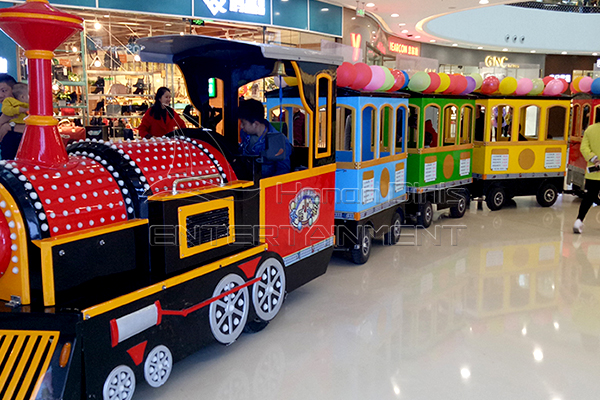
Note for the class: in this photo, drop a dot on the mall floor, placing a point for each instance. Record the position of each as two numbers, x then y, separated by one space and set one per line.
508 308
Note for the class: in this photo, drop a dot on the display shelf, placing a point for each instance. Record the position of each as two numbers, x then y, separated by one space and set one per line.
119 73
82 106
72 83
129 96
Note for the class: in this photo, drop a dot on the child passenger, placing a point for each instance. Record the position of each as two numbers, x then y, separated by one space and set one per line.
17 108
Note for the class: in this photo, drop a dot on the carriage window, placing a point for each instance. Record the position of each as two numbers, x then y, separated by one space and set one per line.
501 123
585 117
400 128
386 121
575 130
344 140
479 123
596 114
432 126
368 129
529 123
324 88
466 124
413 127
556 123
299 127
450 125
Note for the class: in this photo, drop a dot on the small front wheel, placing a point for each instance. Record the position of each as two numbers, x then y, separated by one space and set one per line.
425 214
495 198
547 195
361 252
460 208
393 235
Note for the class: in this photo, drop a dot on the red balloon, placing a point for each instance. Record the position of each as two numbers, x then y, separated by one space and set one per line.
346 74
565 84
435 82
363 76
461 84
547 79
573 90
453 83
398 80
490 85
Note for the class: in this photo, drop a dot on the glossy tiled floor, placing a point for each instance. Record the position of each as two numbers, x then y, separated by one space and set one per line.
508 308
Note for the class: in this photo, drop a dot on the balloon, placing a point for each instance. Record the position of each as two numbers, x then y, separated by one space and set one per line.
585 84
576 83
478 80
389 80
452 85
471 85
553 88
435 82
508 86
573 89
565 84
377 78
406 79
419 81
363 76
538 87
461 84
290 80
444 82
547 79
398 80
346 74
524 86
596 86
490 85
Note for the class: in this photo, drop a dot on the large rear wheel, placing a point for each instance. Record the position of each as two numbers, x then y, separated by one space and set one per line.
361 252
425 216
227 315
393 235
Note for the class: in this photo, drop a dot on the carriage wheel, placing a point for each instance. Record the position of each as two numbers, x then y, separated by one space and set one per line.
158 366
120 384
228 314
393 236
269 292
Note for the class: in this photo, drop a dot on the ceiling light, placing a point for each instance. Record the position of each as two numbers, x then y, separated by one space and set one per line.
401 24
277 13
394 15
454 44
373 32
97 26
532 51
284 1
353 18
181 33
484 1
107 16
432 41
97 63
324 9
370 4
405 31
538 354
168 24
74 49
594 54
479 48
417 37
564 52
465 373
505 49
136 58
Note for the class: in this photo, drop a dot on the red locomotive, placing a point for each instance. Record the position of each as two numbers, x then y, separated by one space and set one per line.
120 258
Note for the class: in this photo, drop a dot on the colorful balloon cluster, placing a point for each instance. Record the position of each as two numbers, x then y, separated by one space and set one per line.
510 86
586 84
361 76
432 82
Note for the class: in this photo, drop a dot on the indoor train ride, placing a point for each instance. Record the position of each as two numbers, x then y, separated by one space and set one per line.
121 258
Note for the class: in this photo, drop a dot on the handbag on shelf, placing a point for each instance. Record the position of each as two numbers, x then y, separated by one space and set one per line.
113 109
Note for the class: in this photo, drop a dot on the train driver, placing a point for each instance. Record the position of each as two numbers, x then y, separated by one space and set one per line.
260 138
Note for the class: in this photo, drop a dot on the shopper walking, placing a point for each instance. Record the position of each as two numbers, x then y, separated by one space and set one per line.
590 149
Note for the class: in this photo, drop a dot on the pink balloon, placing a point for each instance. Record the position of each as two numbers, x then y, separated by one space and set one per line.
524 86
553 88
377 80
585 84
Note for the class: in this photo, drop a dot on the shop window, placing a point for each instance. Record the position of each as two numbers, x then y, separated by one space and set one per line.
529 123
575 128
400 128
585 117
323 134
450 125
386 130
502 123
466 124
413 126
479 135
368 130
557 117
432 126
344 141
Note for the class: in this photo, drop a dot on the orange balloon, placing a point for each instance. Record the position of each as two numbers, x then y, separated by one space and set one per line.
576 83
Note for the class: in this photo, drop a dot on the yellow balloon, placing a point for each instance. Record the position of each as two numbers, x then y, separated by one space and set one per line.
576 83
291 81
508 85
444 82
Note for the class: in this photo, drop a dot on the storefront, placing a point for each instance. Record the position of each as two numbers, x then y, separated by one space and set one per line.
8 51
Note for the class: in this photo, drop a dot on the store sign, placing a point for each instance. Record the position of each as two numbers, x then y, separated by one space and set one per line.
355 42
3 65
252 7
399 47
502 62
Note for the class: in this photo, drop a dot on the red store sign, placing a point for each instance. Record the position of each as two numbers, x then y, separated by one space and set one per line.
399 47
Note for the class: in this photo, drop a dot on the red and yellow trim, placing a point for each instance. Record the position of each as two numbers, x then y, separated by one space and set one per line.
39 54
17 14
41 120
328 112
309 111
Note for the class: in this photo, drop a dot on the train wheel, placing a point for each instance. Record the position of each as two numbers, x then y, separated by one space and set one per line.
120 384
495 198
228 314
393 236
458 210
426 214
361 254
547 195
158 366
269 292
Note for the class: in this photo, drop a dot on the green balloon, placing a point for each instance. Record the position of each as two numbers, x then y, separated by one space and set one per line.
389 80
419 81
478 80
538 87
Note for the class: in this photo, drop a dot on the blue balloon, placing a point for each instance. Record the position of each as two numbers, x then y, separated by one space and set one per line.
406 79
596 86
